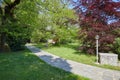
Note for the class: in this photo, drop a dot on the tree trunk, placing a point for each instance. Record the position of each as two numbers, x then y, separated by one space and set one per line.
2 42
6 14
2 34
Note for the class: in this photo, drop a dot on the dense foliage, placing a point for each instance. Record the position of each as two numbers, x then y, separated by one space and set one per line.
17 36
117 46
54 22
98 17
17 17
38 20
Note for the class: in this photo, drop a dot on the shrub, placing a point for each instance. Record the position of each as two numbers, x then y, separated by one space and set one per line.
16 43
116 46
17 36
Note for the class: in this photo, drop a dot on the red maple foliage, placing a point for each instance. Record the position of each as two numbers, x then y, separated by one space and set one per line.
98 17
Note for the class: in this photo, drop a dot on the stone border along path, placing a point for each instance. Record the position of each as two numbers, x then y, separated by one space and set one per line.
92 72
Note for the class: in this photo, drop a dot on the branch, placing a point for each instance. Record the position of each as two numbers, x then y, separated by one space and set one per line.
12 5
6 2
1 11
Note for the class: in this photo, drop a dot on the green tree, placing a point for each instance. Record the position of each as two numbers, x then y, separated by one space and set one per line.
54 18
17 18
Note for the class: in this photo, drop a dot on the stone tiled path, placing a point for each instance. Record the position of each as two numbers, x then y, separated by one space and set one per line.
92 72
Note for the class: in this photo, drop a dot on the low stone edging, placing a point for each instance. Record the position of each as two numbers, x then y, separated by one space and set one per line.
108 58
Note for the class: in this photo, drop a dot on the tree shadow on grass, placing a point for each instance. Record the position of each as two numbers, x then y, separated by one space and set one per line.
76 48
27 66
71 45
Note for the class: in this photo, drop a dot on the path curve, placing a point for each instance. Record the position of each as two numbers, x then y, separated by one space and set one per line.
92 72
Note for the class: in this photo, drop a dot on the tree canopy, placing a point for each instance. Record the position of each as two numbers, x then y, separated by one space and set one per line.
98 17
22 18
54 16
17 17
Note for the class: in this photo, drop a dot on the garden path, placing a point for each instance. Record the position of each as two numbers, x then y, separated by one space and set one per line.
92 72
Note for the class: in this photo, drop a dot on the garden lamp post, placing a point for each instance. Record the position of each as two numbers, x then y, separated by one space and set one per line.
97 37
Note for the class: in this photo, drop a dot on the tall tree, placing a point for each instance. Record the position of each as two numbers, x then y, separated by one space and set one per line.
55 15
98 17
16 16
6 14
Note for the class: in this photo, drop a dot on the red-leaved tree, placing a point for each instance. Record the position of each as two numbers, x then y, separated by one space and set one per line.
98 17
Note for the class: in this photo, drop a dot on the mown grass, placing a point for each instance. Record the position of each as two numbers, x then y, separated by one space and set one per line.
69 51
24 65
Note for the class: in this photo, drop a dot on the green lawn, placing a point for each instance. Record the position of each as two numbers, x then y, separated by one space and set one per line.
26 66
70 51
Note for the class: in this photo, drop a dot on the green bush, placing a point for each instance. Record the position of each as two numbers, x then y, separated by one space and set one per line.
66 35
117 46
16 43
17 37
40 36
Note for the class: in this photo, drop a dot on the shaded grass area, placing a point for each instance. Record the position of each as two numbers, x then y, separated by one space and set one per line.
69 51
24 65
